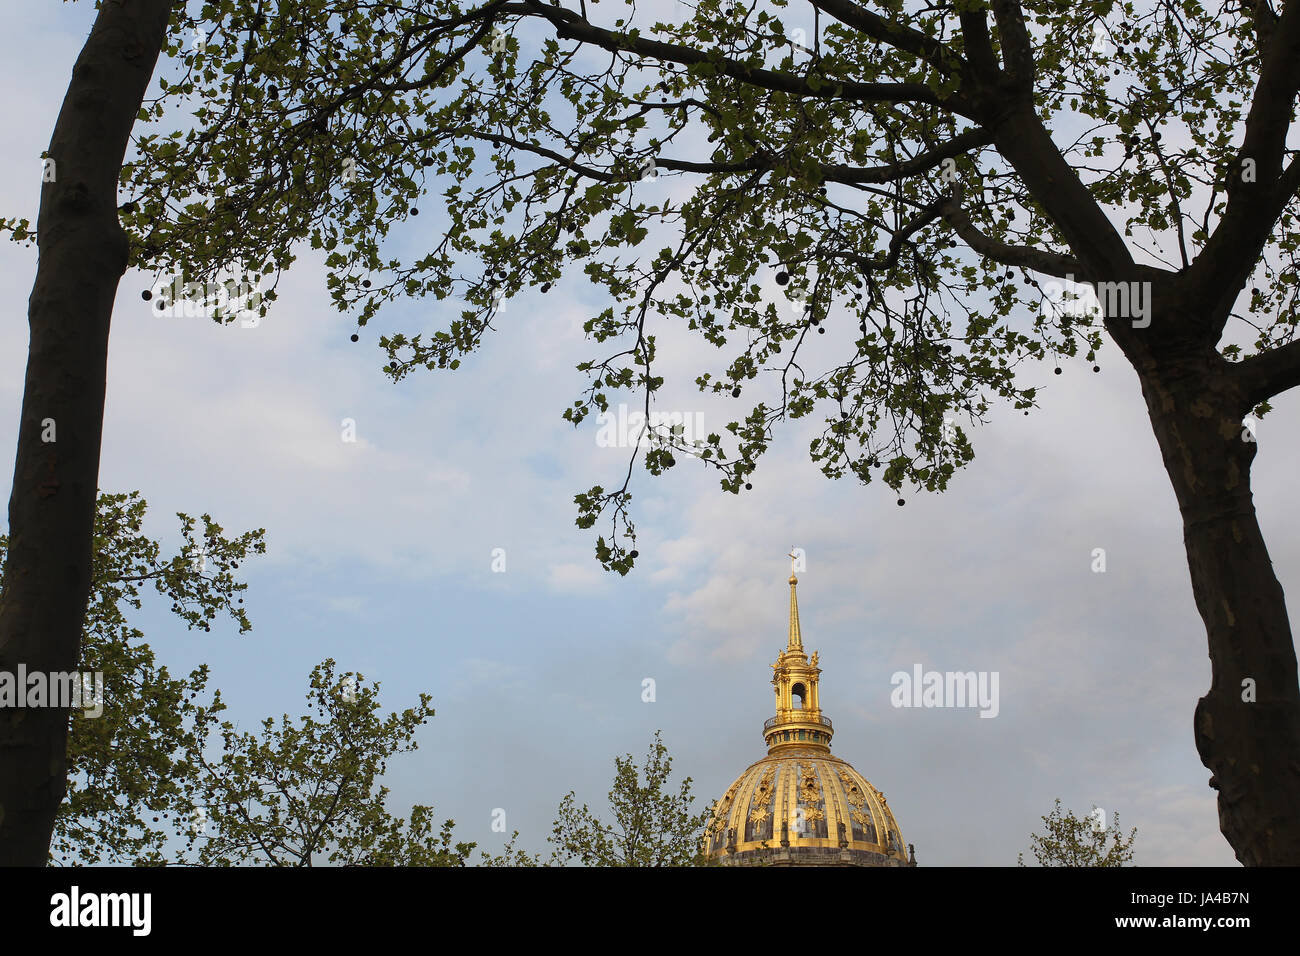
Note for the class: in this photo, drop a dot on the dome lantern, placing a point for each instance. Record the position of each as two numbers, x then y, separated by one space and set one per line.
799 719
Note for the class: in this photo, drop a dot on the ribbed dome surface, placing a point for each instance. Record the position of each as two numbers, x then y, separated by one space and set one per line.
832 815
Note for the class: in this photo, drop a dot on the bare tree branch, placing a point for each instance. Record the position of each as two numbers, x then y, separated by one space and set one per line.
979 47
1017 48
1270 373
570 25
893 33
1028 257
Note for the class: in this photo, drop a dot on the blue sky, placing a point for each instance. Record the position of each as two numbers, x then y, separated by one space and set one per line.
379 555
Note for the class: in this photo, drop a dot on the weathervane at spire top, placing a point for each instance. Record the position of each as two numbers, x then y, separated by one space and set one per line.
793 556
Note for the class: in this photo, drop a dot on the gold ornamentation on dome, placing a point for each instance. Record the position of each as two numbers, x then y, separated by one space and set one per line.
724 807
731 795
857 801
762 802
851 791
717 826
809 788
809 799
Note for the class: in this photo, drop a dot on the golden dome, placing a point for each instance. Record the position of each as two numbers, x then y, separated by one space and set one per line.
804 807
800 805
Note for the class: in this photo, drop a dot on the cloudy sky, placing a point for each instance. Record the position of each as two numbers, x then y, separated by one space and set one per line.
380 555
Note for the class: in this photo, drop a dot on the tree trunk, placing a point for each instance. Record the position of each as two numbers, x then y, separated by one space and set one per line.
1247 727
83 254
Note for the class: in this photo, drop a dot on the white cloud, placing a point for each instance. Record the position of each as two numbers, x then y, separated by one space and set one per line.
577 577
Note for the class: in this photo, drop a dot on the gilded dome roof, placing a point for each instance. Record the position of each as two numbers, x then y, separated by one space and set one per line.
801 805
825 811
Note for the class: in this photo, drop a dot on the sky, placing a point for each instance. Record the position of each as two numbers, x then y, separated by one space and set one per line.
380 555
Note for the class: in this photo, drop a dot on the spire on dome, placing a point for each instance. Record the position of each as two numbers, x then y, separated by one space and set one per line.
798 721
795 642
